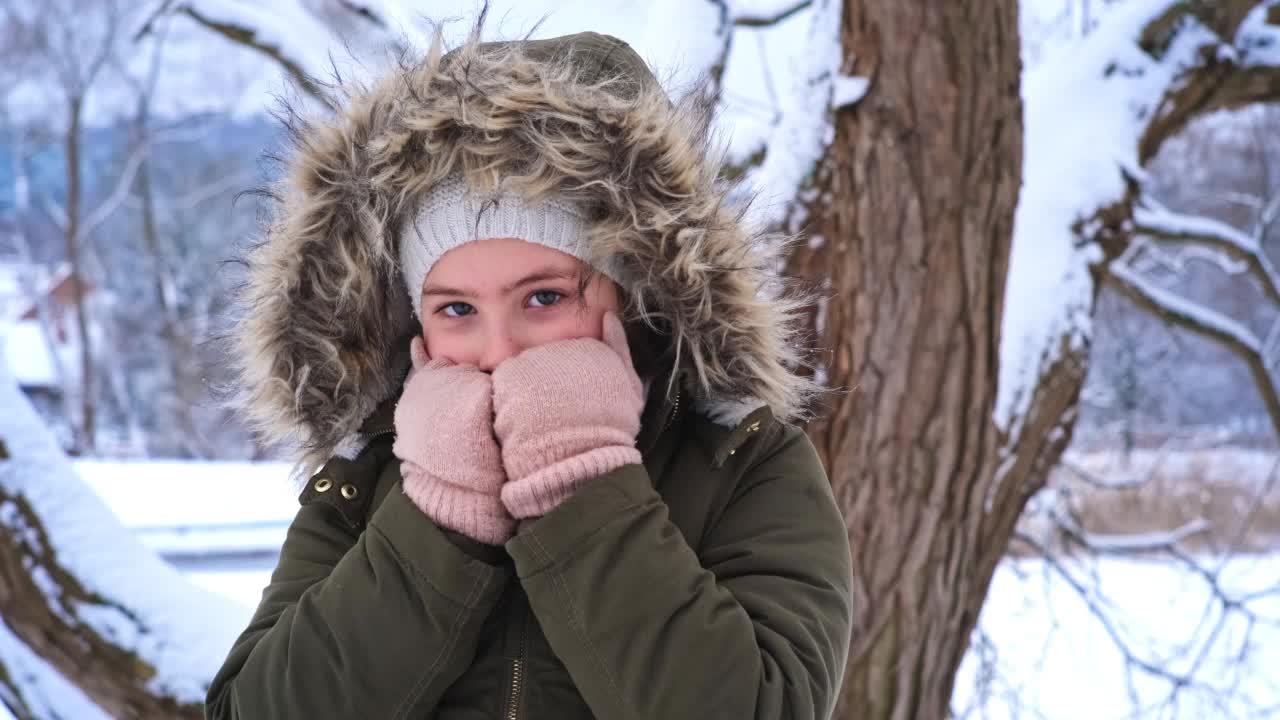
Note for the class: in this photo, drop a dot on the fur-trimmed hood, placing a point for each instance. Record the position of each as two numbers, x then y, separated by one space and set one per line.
325 317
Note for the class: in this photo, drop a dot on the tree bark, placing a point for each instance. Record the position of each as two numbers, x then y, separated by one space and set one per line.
916 206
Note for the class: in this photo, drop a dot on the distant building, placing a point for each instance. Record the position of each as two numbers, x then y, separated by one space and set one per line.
61 293
40 355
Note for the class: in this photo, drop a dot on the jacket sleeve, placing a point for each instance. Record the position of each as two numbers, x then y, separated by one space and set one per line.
358 624
755 624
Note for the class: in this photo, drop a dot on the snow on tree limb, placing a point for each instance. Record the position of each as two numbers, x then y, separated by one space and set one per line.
1152 219
31 688
758 17
1074 155
287 32
86 595
253 37
1238 64
1129 543
1203 321
1154 66
798 141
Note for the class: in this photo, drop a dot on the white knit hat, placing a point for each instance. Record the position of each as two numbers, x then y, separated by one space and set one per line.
449 216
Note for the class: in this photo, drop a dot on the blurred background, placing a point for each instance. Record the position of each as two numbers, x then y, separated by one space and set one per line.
1131 402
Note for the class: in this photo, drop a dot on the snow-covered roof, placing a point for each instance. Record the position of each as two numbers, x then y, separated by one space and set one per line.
27 353
13 297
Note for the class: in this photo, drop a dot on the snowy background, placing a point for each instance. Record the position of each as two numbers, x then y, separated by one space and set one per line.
1157 402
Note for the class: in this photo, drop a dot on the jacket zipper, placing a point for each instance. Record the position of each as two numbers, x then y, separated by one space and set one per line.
675 410
517 672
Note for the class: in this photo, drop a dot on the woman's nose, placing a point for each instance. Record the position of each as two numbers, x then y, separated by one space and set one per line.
500 343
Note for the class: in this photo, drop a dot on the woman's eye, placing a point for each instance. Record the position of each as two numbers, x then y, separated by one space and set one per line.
457 309
545 298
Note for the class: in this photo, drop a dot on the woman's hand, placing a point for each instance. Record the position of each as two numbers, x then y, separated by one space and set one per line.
450 462
565 412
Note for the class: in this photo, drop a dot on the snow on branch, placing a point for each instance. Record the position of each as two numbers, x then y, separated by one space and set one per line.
797 142
1155 220
1128 543
251 37
1096 109
298 35
1203 321
1238 62
766 17
93 599
1181 311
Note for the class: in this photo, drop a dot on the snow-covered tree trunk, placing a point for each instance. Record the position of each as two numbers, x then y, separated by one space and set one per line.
961 278
94 624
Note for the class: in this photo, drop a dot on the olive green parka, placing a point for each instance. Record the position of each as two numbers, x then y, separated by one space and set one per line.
711 581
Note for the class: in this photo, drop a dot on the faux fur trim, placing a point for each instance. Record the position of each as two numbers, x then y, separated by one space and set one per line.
324 307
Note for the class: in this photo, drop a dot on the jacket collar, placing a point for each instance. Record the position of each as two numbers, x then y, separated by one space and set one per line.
662 415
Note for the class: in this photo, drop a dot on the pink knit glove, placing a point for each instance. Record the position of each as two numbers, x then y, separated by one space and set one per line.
565 412
450 462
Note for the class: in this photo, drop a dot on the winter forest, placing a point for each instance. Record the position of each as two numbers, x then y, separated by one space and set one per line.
1044 236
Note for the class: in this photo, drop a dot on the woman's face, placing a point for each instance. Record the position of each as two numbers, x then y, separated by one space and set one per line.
489 300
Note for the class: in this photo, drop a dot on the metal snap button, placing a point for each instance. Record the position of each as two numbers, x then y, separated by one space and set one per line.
350 491
323 485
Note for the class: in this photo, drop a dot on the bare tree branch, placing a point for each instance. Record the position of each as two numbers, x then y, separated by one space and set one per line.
202 193
158 12
365 12
1247 517
1103 616
108 206
1069 463
119 193
1213 623
729 21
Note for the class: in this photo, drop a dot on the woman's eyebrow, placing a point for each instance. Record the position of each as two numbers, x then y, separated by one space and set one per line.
539 275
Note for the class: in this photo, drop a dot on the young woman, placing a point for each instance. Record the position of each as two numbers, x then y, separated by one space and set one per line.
547 372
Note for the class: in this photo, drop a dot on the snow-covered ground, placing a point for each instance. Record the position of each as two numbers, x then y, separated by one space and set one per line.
1043 653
